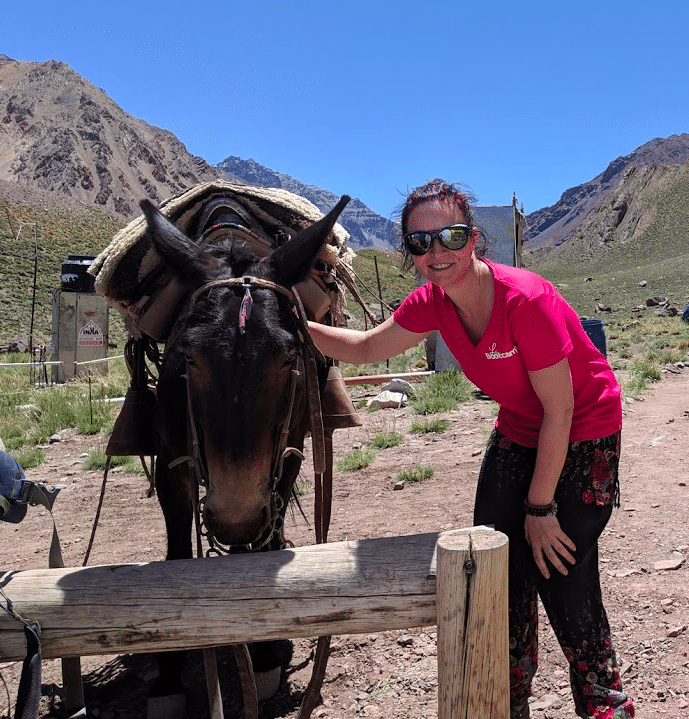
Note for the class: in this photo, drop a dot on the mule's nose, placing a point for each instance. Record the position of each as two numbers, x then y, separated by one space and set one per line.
232 528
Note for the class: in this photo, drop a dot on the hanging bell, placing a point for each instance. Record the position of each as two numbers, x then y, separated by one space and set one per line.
134 433
336 404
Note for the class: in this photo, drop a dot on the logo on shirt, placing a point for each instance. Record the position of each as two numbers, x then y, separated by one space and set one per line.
493 354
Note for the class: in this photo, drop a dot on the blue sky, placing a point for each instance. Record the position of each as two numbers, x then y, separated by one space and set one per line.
373 98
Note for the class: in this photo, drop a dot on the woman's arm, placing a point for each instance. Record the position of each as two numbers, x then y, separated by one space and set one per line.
357 347
553 385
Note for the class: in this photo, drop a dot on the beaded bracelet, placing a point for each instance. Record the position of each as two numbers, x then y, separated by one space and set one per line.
540 510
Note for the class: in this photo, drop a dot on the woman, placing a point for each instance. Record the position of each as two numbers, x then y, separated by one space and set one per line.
549 475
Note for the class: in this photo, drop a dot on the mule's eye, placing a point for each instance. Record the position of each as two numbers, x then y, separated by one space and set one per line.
189 360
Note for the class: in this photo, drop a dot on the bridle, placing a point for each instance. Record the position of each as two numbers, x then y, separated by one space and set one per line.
305 359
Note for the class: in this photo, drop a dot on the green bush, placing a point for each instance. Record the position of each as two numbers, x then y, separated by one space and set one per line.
301 487
646 369
664 355
52 411
430 425
92 416
29 416
386 440
115 383
639 375
355 459
30 458
442 392
97 460
415 474
13 431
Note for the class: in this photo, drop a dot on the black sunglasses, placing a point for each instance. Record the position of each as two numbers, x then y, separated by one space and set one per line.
453 237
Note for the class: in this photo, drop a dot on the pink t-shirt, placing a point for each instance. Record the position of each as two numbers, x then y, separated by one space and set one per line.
531 327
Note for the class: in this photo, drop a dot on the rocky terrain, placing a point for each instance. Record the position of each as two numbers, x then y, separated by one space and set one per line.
60 133
393 675
607 196
365 227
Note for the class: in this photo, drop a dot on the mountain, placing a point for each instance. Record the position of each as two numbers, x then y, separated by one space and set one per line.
365 227
613 198
60 133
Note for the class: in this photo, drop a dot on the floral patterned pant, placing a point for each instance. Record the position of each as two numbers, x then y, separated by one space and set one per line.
587 490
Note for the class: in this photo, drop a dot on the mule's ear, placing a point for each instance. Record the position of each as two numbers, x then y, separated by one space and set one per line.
292 262
187 261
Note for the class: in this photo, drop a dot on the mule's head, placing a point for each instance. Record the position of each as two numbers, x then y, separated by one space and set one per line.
236 374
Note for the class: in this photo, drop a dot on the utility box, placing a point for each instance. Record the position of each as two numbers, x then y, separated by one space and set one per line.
504 228
80 334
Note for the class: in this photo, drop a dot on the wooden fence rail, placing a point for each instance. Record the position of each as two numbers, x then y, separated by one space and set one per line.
339 588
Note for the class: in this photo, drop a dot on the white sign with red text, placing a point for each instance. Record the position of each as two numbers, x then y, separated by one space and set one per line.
90 334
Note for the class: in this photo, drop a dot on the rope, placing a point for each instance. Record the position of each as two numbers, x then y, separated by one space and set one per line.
9 608
371 292
98 510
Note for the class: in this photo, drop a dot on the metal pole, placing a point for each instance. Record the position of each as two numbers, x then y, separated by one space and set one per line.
90 398
380 297
33 299
380 292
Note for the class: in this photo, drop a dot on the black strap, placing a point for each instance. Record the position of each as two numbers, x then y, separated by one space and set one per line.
29 694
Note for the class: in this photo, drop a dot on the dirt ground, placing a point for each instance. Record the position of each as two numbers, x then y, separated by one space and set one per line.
394 674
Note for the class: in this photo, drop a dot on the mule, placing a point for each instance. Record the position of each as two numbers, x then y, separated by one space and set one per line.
231 394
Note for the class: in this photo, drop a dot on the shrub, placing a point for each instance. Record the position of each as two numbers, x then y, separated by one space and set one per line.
301 487
30 458
13 432
442 392
664 355
355 459
415 474
98 459
52 411
640 374
646 369
386 440
92 416
430 425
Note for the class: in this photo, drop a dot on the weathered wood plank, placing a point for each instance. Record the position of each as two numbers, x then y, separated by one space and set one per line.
340 588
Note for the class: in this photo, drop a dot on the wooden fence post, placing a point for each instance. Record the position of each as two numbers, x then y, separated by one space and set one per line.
471 599
455 579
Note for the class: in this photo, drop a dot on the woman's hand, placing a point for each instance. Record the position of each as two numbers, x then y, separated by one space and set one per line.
547 539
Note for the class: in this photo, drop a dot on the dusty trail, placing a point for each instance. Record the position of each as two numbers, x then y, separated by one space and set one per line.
393 674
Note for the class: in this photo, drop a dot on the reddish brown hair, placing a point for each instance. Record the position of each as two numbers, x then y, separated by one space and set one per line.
437 190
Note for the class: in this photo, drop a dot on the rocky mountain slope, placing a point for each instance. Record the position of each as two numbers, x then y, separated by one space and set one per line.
595 209
365 227
60 133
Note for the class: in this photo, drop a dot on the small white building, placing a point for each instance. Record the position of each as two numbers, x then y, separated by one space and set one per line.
80 323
